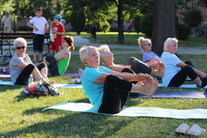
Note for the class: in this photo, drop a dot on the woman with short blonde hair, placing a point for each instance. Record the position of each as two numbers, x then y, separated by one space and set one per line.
176 70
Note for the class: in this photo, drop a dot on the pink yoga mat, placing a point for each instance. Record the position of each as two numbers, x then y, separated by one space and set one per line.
5 76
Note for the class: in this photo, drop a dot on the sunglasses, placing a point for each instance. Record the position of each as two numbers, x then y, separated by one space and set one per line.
22 47
148 44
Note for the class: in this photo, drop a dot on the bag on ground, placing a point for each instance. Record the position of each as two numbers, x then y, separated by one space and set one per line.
40 90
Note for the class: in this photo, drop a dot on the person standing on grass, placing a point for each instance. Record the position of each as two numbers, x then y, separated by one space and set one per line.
58 31
39 25
6 22
108 90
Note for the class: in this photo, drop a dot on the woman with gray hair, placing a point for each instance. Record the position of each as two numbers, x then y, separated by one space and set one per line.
176 70
21 67
108 90
134 64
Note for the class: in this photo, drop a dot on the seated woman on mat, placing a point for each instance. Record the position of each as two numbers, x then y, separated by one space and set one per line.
149 57
108 90
58 63
22 70
177 71
136 65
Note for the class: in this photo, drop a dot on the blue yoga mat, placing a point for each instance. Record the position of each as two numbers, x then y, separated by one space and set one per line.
9 83
182 86
137 111
173 94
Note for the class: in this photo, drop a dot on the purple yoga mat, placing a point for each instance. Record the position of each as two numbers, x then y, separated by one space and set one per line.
71 74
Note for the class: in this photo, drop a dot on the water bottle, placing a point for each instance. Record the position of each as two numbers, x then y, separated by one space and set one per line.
30 81
51 36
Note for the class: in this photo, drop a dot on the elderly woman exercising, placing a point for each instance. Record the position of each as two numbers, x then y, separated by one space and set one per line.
108 90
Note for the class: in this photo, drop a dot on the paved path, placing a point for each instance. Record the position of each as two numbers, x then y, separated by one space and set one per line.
135 49
128 49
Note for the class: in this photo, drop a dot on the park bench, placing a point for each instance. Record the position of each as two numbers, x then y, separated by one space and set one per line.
5 39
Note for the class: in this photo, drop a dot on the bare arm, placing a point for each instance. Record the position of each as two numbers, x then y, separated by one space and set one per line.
62 55
59 33
181 64
101 78
31 26
21 65
131 77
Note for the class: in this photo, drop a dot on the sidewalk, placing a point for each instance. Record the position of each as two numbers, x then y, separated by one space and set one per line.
124 49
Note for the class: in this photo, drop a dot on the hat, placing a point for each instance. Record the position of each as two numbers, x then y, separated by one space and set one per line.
58 16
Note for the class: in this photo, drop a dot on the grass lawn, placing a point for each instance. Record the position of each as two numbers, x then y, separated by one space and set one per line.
23 117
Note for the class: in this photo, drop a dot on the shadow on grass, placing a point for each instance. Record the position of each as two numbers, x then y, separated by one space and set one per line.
76 124
71 124
5 88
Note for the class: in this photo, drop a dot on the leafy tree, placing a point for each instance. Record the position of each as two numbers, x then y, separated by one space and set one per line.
104 26
78 21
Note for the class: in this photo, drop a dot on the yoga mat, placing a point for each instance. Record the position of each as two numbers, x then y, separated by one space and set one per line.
5 75
9 83
137 111
71 74
173 94
68 85
182 86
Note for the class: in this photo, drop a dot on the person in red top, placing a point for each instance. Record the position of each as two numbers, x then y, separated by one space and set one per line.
57 32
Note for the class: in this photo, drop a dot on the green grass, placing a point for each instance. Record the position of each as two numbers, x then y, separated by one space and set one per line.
23 117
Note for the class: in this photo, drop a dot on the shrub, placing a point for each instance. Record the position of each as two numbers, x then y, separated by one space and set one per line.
183 31
192 17
104 26
146 24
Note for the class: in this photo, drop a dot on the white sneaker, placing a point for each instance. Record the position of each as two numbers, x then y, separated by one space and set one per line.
196 130
182 129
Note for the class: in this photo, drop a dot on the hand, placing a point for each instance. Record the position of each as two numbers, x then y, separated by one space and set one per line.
54 32
142 77
36 29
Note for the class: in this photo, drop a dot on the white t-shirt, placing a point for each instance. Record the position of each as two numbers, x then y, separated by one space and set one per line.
170 60
39 23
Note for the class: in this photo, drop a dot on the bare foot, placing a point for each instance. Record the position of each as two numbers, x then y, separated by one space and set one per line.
160 72
151 87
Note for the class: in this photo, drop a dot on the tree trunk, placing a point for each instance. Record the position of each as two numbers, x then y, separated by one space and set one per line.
163 23
120 23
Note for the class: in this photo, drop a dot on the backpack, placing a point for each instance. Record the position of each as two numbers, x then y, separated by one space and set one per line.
40 90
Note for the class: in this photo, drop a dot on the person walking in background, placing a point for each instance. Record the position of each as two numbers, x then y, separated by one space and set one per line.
40 26
6 22
57 30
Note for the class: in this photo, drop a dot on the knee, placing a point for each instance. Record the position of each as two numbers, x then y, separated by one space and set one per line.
187 68
189 63
42 65
30 67
130 60
111 78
